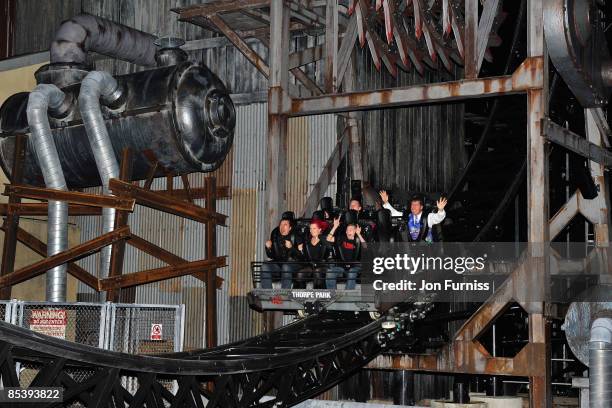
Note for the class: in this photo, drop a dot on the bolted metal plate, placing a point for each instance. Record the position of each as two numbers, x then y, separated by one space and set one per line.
592 304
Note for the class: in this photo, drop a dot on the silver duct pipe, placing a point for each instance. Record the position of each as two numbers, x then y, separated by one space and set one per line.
79 35
97 85
600 364
42 99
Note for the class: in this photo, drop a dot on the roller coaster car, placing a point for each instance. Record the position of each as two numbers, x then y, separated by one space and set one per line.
309 299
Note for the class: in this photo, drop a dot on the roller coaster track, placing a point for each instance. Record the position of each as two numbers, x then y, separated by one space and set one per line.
280 368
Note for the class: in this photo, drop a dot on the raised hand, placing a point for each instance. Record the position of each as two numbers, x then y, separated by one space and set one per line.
269 244
288 244
384 196
336 222
300 247
358 230
441 203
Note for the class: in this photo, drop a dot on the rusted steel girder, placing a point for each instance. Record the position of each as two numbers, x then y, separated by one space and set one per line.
529 75
74 197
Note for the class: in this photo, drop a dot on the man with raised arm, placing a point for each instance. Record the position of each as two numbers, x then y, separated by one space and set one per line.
417 229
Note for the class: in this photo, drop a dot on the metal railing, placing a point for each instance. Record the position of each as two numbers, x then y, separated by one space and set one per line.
305 272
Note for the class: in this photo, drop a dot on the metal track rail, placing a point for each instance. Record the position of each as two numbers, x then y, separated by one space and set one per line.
280 368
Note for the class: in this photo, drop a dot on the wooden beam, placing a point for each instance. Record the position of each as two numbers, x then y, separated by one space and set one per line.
471 39
121 219
346 47
165 203
209 9
9 247
577 144
306 56
326 176
242 46
73 197
485 25
330 70
73 254
196 193
159 274
40 248
211 253
528 76
167 256
41 209
565 214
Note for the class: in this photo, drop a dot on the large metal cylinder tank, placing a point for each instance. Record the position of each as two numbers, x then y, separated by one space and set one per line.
180 116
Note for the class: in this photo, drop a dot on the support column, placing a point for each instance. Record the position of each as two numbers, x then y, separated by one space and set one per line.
211 276
600 213
11 222
538 207
278 83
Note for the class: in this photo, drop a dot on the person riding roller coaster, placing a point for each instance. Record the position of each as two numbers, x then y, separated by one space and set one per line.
281 247
314 250
416 229
348 249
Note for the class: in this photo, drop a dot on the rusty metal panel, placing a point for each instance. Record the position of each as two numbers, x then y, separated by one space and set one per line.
323 137
296 179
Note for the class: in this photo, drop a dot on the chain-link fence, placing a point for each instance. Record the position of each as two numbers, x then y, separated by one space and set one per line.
128 328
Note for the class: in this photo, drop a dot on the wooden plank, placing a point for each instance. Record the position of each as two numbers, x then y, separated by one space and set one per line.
471 39
485 25
73 197
166 256
11 223
41 209
242 46
165 203
159 274
326 176
222 6
211 253
196 193
121 219
40 248
70 255
305 57
330 69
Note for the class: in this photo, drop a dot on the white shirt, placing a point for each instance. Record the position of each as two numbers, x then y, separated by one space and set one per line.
432 218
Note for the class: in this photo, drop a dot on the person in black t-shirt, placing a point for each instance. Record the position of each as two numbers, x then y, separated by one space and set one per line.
348 249
315 249
281 247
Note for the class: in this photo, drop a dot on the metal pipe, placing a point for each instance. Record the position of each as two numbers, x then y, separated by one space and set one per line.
41 100
97 85
81 34
600 364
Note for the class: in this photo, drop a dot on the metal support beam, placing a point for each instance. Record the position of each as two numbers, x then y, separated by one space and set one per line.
577 144
527 76
538 205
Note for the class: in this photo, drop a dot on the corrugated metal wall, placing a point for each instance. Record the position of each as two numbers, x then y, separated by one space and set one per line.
416 149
